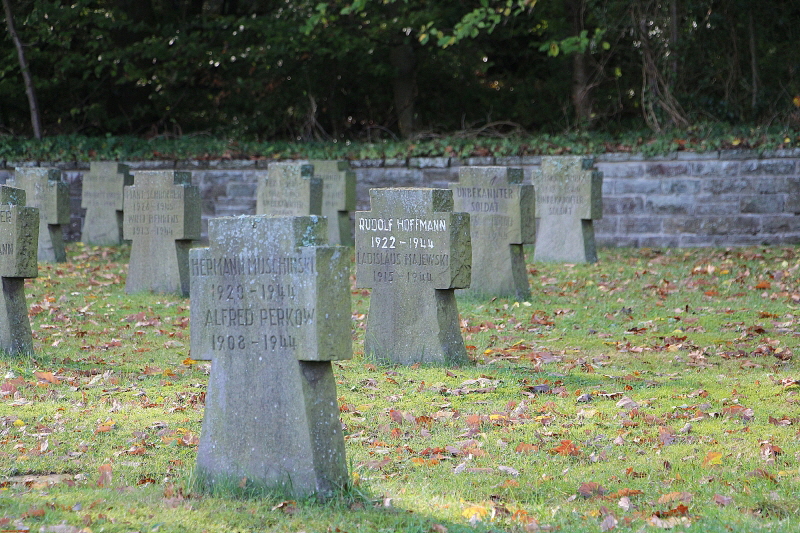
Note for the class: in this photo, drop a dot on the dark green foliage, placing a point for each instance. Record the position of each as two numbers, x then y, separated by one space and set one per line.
322 71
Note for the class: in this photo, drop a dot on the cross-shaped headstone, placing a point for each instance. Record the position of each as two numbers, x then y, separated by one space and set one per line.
568 198
270 307
502 219
102 198
338 198
413 252
289 189
19 229
46 191
162 217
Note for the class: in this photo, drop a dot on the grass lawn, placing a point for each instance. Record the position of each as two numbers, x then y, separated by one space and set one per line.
654 390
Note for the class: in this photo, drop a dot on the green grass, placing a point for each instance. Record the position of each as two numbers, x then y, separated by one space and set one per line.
652 390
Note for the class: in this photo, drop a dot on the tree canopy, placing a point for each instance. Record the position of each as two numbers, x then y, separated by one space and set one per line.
377 69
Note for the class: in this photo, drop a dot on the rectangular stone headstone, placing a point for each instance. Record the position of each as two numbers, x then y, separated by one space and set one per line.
413 252
338 199
46 191
502 218
568 200
102 197
289 189
162 218
19 235
270 307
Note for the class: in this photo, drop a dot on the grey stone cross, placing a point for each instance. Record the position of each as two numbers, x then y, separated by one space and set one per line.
46 191
102 197
413 252
270 307
568 198
338 198
19 233
289 189
162 217
502 218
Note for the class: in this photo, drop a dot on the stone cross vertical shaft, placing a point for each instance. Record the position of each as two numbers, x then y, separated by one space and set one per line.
19 234
270 307
102 197
568 200
46 191
288 190
413 252
162 217
502 218
338 199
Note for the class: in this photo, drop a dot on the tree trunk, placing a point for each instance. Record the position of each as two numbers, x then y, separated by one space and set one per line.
753 65
673 39
405 87
30 89
581 90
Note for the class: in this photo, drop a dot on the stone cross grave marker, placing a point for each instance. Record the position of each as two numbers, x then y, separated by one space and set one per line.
338 199
413 252
568 198
46 191
502 218
270 307
162 217
102 198
19 229
289 189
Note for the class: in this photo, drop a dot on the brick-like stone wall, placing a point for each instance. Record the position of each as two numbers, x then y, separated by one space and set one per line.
730 198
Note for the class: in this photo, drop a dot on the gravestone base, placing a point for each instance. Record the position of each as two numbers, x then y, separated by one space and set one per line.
508 280
233 445
98 233
51 248
426 332
15 328
165 268
565 240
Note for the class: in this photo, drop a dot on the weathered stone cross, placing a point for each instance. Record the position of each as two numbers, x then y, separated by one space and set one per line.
338 198
502 218
102 198
413 251
568 198
46 191
162 217
289 189
271 308
19 229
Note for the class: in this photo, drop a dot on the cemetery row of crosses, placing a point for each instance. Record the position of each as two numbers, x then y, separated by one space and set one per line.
270 295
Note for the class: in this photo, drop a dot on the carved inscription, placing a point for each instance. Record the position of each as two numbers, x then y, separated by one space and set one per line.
561 194
7 235
403 249
251 301
154 212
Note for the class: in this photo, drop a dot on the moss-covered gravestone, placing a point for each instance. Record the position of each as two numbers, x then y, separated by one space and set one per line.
502 218
102 198
19 234
338 199
46 191
289 189
162 218
270 307
413 252
568 200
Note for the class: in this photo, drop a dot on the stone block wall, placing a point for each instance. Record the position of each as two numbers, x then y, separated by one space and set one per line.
732 198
